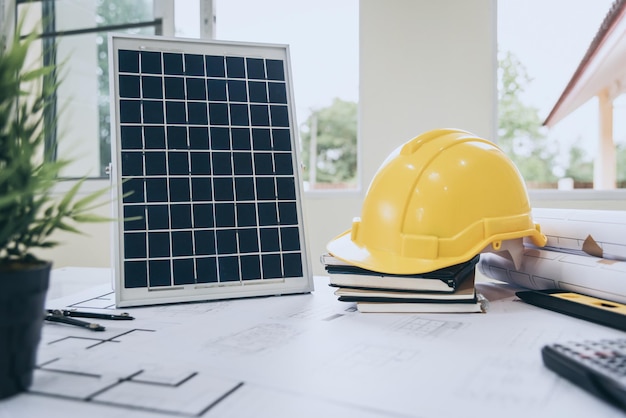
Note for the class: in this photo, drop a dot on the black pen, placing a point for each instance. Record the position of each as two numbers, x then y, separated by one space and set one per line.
55 317
96 315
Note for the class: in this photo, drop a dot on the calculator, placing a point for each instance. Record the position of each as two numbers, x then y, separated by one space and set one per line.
597 366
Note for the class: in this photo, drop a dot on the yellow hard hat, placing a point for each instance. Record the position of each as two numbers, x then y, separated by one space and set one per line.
438 200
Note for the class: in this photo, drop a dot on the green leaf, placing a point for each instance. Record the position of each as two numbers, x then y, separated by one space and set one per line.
90 218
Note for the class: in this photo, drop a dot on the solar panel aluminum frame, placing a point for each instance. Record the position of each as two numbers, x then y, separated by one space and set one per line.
198 291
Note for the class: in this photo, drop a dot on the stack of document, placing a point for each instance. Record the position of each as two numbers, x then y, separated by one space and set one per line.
447 290
585 253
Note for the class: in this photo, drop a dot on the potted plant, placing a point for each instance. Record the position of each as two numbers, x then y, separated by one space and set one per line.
30 212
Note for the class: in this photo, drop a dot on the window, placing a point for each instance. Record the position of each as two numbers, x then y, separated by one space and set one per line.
323 41
74 34
550 126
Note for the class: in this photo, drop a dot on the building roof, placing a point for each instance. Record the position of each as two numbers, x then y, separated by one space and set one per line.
603 66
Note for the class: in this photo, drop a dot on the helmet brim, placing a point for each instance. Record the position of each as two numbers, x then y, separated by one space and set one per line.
345 249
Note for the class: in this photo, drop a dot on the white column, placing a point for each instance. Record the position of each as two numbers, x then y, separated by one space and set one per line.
424 65
207 19
604 169
164 9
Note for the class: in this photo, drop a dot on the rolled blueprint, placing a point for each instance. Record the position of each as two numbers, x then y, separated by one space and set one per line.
601 233
545 269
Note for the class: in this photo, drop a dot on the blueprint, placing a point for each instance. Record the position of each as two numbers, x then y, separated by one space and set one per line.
304 355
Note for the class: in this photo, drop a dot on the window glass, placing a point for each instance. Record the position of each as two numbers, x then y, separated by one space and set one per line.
323 44
78 30
531 81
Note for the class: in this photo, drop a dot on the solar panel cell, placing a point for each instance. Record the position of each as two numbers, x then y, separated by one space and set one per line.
289 239
154 137
158 217
151 87
242 163
235 67
281 140
194 65
261 139
134 218
197 113
277 93
272 266
129 86
182 244
204 242
248 240
179 190
136 274
184 271
128 61
159 273
158 244
178 163
174 88
240 138
196 89
275 70
246 214
203 215
228 269
175 112
131 137
150 62
206 270
259 115
226 241
218 113
237 91
155 163
216 89
250 267
256 68
244 188
257 91
173 63
135 245
201 189
156 189
199 137
180 216
292 265
130 111
224 215
176 137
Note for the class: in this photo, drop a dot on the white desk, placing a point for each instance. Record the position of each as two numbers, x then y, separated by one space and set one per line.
301 356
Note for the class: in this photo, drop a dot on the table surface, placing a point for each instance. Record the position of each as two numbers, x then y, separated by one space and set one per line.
305 355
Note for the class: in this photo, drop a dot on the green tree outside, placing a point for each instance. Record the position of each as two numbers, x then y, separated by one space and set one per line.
334 130
520 134
621 164
519 125
580 168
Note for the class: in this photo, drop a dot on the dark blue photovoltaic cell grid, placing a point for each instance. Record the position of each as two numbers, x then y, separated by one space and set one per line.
207 153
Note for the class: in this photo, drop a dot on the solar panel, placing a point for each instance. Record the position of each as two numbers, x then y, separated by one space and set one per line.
205 168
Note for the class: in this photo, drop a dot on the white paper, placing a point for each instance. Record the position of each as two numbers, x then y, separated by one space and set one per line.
307 356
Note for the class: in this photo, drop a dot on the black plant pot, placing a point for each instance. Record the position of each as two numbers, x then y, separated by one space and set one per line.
22 303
